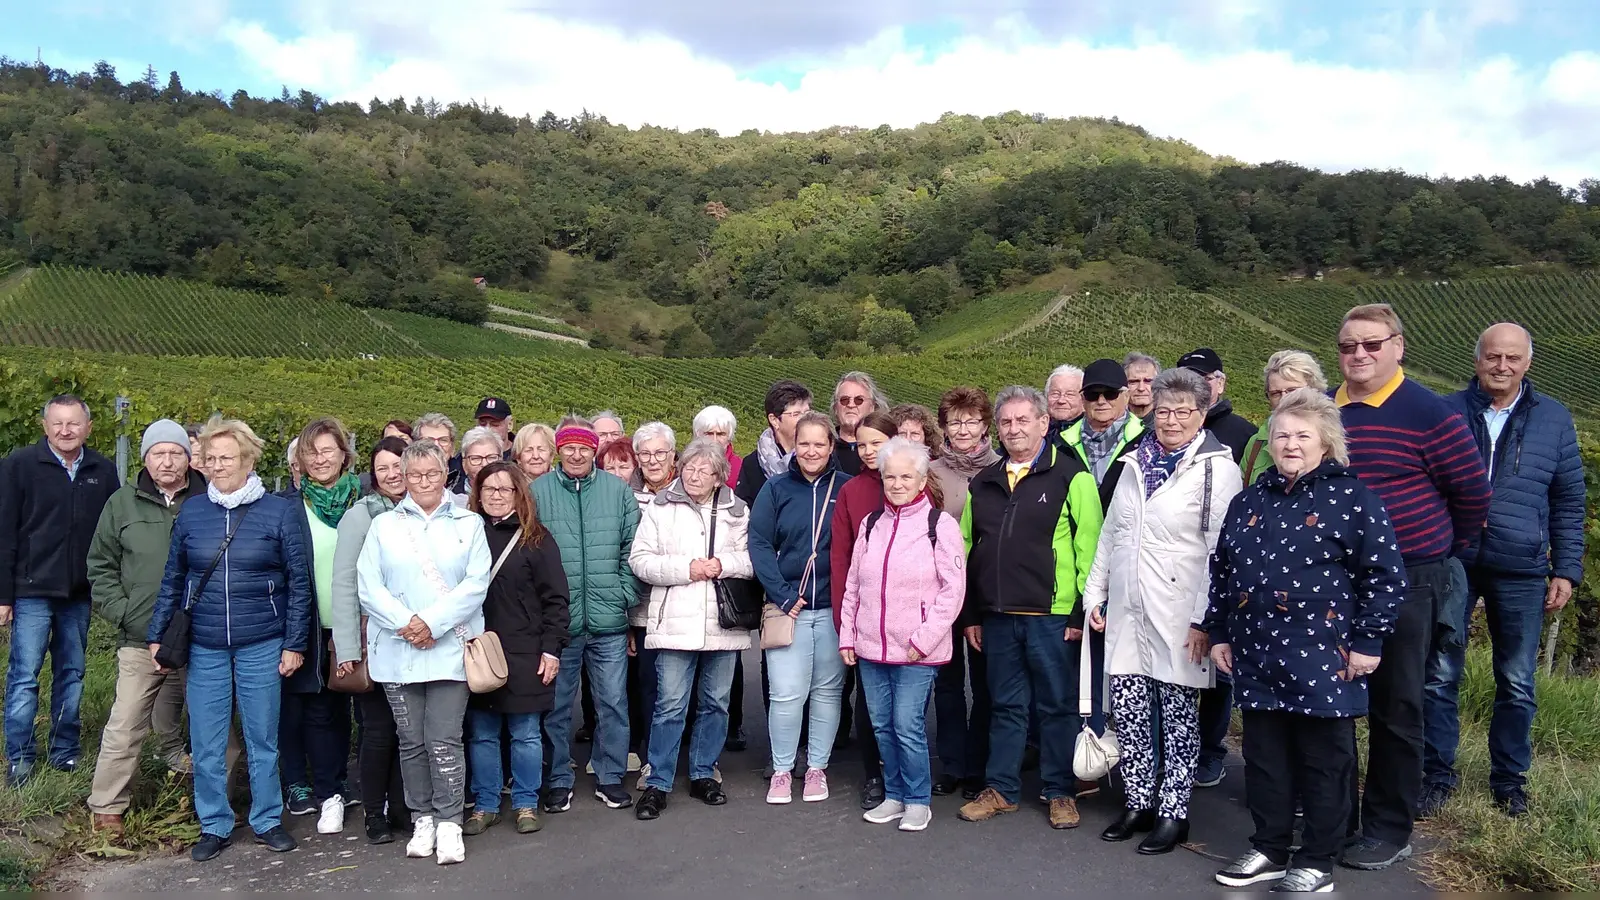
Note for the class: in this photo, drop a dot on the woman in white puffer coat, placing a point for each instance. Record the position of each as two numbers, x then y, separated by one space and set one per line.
692 533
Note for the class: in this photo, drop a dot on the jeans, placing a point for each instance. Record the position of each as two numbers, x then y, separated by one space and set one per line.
1514 608
527 757
428 718
62 628
1289 757
378 756
897 701
808 669
219 679
1387 809
314 740
962 737
675 682
145 700
1031 664
603 659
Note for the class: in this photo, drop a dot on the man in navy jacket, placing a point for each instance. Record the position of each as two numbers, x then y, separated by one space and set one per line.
1524 564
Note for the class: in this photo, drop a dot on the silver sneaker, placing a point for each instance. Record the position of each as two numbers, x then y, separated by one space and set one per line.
1252 868
1302 880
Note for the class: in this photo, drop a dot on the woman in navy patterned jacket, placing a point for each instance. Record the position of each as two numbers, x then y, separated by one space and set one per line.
1305 582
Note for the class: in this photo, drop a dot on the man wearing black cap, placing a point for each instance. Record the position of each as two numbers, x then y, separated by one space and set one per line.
1107 429
1216 703
495 413
1230 428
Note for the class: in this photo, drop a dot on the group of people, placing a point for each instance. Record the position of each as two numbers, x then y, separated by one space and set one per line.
1120 550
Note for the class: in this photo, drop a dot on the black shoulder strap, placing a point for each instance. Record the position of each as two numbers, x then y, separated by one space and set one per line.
872 520
228 539
933 526
711 538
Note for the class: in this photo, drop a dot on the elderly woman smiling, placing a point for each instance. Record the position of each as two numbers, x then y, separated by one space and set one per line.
1149 584
1305 584
534 449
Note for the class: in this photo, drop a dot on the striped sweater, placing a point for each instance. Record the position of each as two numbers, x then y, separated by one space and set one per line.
1417 453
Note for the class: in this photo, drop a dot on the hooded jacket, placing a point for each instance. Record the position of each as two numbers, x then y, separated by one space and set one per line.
681 613
1303 575
903 591
528 609
47 521
593 519
128 554
1232 429
788 513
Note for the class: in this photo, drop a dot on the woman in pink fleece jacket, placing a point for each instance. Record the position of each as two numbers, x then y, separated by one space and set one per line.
905 587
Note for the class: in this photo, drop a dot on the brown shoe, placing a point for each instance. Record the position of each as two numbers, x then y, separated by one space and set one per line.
1087 788
1063 813
111 823
988 805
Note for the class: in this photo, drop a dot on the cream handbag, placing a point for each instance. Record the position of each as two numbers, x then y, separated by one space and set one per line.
1095 755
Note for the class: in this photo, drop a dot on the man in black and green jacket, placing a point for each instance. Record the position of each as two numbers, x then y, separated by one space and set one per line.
1032 524
1107 429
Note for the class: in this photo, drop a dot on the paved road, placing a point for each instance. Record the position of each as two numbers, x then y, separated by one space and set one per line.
746 844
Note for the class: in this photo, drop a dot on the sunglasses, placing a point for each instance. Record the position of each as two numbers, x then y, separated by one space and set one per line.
1095 394
1348 348
852 401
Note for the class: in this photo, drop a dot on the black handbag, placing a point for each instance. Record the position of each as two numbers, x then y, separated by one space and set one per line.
174 652
738 599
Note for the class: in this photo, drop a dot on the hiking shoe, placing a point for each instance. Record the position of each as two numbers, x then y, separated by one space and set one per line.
1372 855
1513 803
528 820
917 817
332 819
422 838
299 802
872 793
557 800
1252 868
276 839
781 789
613 796
1063 813
479 822
816 789
1303 880
209 847
885 812
651 803
1209 773
988 805
449 848
1432 801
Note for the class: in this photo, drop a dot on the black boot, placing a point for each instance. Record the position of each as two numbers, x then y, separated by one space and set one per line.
1132 822
1167 834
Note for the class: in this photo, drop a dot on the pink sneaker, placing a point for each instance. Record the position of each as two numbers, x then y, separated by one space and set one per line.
816 786
782 789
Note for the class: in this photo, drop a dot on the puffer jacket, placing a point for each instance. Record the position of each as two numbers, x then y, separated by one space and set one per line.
682 614
261 589
791 531
593 519
348 644
128 554
1535 524
904 591
1303 575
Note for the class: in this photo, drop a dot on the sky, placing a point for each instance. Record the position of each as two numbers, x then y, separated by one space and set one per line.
1436 87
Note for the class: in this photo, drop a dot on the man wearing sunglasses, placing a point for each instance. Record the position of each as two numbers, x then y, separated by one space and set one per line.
1417 453
1107 427
854 397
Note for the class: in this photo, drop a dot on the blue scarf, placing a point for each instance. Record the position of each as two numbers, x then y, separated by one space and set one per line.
1157 463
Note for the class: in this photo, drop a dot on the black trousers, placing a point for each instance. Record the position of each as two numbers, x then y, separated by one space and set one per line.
1387 809
1289 757
866 739
314 741
378 757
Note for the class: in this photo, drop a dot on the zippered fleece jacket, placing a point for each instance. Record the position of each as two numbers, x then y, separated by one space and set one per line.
904 591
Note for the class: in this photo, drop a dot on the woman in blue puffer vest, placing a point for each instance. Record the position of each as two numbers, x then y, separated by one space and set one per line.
249 622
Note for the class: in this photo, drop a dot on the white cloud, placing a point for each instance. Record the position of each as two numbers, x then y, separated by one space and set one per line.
1488 116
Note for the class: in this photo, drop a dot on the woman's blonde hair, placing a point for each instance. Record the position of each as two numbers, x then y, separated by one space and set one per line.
250 446
528 432
1318 408
1296 365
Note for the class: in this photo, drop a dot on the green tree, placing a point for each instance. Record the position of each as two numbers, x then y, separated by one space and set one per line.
882 328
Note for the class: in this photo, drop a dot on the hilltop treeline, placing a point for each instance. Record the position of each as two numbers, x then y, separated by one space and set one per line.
782 243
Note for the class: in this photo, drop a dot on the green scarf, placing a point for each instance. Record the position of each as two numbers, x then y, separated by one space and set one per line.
330 503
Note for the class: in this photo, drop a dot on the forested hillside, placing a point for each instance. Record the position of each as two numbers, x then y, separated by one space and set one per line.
835 243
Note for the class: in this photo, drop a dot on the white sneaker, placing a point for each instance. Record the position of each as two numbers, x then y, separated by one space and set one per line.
885 812
332 819
916 818
644 773
421 844
451 848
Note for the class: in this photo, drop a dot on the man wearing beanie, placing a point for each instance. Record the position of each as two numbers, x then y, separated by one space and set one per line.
126 561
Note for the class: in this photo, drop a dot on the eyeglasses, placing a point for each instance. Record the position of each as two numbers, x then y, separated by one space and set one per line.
481 459
963 424
424 477
1348 348
697 472
1094 395
214 461
654 455
490 491
1181 415
1277 395
853 401
1064 395
328 453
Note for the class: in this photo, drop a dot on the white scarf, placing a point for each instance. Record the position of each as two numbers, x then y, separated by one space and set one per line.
773 460
249 493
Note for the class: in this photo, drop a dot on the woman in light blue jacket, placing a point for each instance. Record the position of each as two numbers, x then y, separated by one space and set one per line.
422 577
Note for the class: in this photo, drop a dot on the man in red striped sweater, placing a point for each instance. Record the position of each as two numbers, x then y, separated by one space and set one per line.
1417 453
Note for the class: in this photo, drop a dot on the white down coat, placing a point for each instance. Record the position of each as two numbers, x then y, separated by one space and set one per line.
682 614
1153 566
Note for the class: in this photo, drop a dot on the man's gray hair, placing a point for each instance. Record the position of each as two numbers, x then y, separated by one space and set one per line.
1182 384
1021 393
708 450
482 434
1141 359
573 420
67 400
714 417
611 414
419 450
434 420
1058 372
653 430
865 382
1477 351
904 448
291 452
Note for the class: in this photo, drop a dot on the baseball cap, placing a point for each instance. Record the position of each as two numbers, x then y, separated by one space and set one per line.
493 407
1104 373
1204 360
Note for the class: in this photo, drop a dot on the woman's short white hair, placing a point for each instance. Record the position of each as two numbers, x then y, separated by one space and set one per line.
419 450
708 450
1315 407
714 417
904 448
482 435
653 431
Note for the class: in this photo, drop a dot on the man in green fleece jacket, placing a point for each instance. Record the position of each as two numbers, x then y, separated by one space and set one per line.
126 559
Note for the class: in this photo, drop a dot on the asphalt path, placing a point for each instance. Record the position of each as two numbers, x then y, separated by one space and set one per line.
748 844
